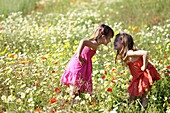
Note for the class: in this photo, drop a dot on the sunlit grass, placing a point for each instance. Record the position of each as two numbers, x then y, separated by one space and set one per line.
130 12
34 51
9 6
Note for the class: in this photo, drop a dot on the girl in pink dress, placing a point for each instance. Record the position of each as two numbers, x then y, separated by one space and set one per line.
78 73
143 72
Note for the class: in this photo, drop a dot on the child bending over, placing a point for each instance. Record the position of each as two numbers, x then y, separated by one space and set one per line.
78 73
143 72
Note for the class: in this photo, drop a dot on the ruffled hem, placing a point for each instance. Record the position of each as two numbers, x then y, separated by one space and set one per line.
144 82
68 77
75 79
139 87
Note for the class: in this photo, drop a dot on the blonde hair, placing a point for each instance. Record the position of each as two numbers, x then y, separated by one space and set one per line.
102 30
127 44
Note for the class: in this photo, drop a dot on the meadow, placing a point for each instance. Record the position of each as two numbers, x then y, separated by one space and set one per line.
35 47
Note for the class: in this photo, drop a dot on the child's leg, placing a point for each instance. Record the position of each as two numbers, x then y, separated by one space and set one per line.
132 98
73 91
144 99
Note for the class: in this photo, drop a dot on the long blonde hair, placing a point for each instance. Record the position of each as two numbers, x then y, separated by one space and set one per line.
127 44
102 30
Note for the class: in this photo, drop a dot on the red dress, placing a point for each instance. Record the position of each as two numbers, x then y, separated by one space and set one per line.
141 80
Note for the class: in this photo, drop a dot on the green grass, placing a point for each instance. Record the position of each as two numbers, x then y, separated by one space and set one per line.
35 48
9 6
129 12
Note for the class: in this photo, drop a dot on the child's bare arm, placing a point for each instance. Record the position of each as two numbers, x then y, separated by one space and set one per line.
83 43
142 53
137 53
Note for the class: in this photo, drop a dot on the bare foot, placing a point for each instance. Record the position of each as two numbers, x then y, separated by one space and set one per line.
144 102
74 97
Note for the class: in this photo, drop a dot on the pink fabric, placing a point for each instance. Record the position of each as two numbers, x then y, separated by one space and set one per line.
80 75
141 80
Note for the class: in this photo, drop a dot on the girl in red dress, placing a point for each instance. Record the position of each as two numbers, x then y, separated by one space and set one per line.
143 72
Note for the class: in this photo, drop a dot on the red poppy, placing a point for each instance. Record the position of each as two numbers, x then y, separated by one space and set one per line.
168 67
37 84
53 110
21 74
155 20
109 89
130 16
38 110
113 70
105 72
11 56
160 63
164 56
0 28
58 90
55 62
23 63
44 58
136 29
103 77
52 100
94 101
53 71
127 83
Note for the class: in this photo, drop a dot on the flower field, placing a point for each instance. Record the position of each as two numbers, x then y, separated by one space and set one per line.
35 49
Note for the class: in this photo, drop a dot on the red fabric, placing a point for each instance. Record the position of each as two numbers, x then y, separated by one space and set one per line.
142 80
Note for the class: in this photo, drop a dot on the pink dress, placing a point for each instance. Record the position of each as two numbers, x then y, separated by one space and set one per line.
80 75
141 80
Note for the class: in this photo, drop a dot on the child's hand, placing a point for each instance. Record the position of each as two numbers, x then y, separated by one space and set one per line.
143 68
82 60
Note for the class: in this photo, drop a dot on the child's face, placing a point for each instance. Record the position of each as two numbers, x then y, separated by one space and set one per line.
118 43
106 40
